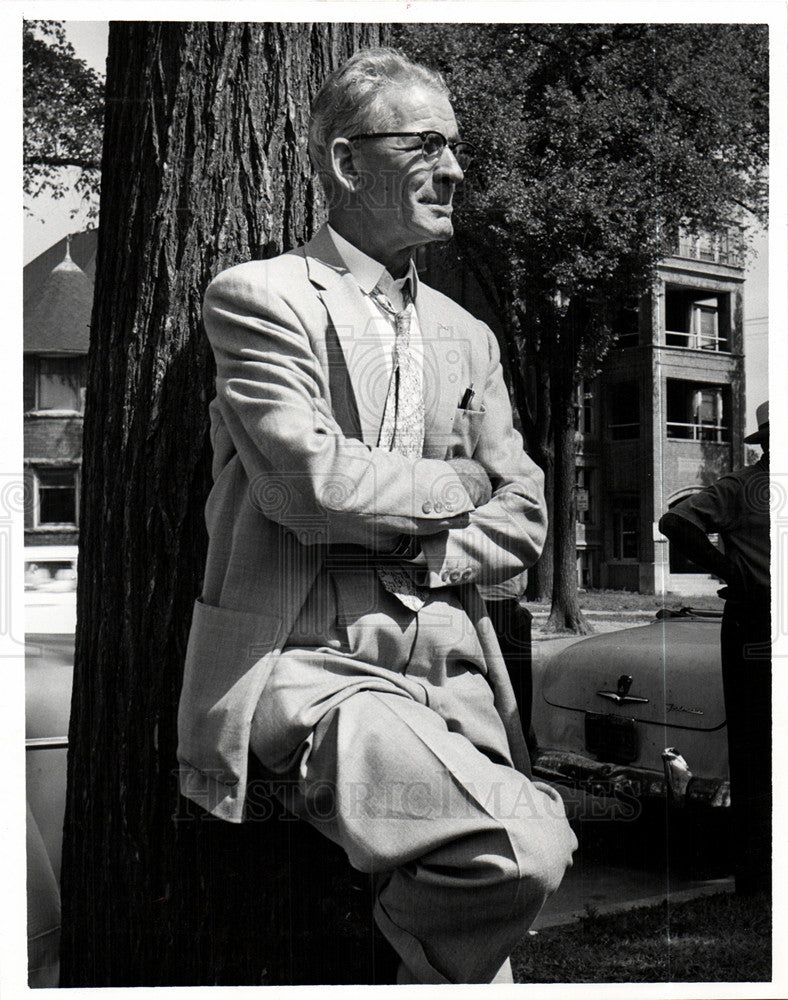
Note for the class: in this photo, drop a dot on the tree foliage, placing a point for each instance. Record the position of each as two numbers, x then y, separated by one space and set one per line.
598 144
63 102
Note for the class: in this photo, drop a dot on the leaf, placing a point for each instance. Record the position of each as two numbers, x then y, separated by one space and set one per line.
63 104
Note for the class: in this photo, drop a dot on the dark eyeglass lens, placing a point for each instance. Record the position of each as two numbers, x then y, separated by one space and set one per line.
433 144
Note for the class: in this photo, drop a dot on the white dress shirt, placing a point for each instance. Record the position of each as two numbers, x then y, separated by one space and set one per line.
370 274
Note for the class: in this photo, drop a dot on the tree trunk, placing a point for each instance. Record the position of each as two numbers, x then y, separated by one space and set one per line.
204 165
530 385
542 449
565 614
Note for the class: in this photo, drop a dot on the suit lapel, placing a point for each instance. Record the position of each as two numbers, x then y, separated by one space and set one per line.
362 354
361 351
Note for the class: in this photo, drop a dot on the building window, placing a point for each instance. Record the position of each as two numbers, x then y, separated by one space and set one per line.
585 409
720 248
586 568
626 528
584 494
624 408
626 323
57 497
697 319
58 383
726 252
697 412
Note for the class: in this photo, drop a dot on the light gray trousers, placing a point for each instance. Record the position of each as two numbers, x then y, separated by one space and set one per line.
385 722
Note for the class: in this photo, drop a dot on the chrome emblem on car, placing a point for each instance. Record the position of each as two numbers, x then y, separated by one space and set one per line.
671 706
621 695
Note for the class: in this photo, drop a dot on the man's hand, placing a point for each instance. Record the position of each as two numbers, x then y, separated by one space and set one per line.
474 478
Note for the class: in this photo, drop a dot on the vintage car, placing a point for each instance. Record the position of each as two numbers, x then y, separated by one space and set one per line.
50 614
638 713
48 672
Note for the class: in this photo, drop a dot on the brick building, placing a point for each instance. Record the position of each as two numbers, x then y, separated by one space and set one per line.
664 419
58 295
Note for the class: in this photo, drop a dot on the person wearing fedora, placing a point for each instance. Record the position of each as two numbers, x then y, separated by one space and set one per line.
737 508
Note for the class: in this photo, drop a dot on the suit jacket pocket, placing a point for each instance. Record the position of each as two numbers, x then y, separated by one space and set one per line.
465 432
224 673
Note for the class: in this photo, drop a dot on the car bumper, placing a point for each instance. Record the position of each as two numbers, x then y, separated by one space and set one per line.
595 777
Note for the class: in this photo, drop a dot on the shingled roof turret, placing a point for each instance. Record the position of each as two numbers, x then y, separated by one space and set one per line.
57 320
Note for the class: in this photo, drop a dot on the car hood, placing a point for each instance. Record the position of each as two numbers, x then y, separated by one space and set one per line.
49 666
674 663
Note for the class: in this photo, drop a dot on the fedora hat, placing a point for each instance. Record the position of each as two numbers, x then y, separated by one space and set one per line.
762 416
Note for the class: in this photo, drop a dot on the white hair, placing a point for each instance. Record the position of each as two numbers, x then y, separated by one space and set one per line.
351 100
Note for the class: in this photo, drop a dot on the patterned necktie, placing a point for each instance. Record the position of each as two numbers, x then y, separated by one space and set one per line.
402 429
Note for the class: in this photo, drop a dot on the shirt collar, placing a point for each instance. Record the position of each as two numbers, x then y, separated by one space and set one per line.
370 273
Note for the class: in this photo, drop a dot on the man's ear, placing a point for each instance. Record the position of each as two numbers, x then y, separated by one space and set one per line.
344 172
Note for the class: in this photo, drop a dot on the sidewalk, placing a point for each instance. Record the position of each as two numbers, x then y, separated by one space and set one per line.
548 644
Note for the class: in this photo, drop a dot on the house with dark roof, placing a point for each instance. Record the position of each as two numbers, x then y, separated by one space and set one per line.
58 297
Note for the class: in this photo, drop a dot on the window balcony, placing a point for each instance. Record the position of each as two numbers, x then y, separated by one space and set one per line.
714 433
718 249
698 319
696 341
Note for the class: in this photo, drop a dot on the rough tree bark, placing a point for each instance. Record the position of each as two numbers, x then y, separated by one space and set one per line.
204 165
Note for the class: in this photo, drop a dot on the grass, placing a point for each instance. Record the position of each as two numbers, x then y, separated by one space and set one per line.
626 600
718 938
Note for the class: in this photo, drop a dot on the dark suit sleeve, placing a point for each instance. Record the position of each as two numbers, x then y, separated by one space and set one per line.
506 535
712 509
302 469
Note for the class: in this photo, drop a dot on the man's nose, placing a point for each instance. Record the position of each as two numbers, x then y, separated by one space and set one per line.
447 167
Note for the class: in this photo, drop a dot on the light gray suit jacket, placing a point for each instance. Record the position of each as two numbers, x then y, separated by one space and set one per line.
300 396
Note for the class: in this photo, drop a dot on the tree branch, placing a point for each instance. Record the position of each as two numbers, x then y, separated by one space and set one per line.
61 161
752 209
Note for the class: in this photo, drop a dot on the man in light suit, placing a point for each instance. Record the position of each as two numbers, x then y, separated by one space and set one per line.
366 478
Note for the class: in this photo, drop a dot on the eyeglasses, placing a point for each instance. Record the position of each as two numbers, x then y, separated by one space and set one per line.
432 145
